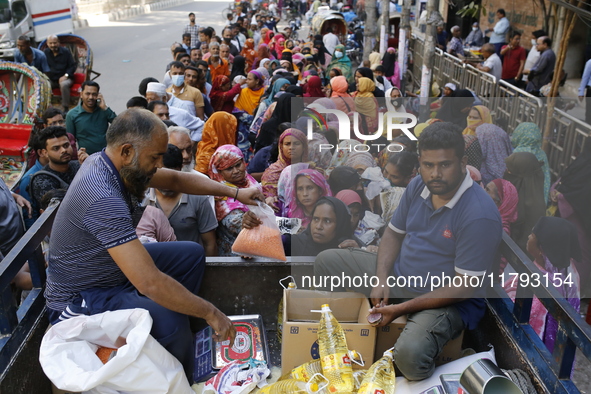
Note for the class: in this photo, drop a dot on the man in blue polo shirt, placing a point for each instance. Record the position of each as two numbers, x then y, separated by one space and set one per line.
96 262
444 225
31 56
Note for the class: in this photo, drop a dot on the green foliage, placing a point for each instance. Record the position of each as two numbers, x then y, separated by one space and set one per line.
471 10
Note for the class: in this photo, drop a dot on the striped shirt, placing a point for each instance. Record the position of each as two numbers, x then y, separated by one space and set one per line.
94 216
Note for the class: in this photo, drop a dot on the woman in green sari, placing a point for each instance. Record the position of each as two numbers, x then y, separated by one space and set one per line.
341 61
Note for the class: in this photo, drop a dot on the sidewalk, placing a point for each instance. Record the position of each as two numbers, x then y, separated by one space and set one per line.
86 20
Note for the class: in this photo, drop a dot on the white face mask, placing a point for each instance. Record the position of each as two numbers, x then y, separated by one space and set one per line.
474 28
338 54
533 42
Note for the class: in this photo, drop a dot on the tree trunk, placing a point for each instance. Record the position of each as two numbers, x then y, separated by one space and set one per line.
370 28
404 36
384 32
427 72
569 24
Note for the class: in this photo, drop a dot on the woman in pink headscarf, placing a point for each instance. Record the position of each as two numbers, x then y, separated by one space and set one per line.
506 197
310 186
314 87
279 46
339 94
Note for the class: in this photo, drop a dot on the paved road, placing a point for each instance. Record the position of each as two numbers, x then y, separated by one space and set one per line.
127 51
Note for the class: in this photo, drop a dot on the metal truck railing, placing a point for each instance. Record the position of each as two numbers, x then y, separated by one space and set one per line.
554 368
509 105
19 327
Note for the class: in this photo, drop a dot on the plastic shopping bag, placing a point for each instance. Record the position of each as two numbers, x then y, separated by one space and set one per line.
141 365
238 378
261 241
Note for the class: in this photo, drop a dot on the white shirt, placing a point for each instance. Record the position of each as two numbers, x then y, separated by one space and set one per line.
187 105
532 58
495 65
184 119
330 41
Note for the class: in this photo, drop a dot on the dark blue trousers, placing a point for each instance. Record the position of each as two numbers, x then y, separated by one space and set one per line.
183 261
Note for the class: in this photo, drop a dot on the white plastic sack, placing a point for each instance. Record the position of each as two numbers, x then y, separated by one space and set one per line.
141 365
238 378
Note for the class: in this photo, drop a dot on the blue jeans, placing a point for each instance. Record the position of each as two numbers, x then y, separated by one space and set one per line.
184 262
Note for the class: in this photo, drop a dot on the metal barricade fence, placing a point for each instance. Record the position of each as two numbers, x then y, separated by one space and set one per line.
514 106
566 140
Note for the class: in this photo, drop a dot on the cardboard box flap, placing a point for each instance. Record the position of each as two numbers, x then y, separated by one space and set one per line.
346 307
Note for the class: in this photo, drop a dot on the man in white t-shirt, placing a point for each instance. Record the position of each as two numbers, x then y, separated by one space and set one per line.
492 62
534 54
330 40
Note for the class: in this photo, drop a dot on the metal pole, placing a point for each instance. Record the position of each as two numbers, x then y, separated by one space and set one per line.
370 28
403 37
384 33
427 71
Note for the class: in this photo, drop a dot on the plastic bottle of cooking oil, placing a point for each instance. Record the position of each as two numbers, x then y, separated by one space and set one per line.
334 357
291 285
380 377
315 385
305 371
357 379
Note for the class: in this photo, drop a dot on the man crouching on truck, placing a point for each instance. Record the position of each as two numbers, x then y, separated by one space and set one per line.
444 226
97 263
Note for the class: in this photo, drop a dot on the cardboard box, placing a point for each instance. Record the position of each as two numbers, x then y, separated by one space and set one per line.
300 326
388 335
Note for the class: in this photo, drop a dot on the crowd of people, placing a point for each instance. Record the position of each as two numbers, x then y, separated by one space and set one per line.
235 118
508 61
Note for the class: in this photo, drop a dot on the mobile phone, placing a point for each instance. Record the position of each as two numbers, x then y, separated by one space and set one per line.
450 382
98 101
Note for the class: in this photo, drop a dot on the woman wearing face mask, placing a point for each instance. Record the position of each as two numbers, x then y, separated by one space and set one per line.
223 93
249 97
478 115
341 61
329 228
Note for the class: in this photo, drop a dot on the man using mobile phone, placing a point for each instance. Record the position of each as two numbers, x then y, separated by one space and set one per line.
90 119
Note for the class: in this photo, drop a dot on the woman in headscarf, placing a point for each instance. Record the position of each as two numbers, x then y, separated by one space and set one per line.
341 61
330 228
279 85
374 60
279 46
223 93
495 146
339 94
293 148
343 152
344 177
506 198
366 72
238 67
262 54
265 111
456 109
527 137
227 166
391 68
321 55
473 151
366 106
360 161
572 195
555 250
309 187
267 36
314 87
249 97
273 66
281 114
265 73
286 185
525 173
318 155
220 129
248 53
478 115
